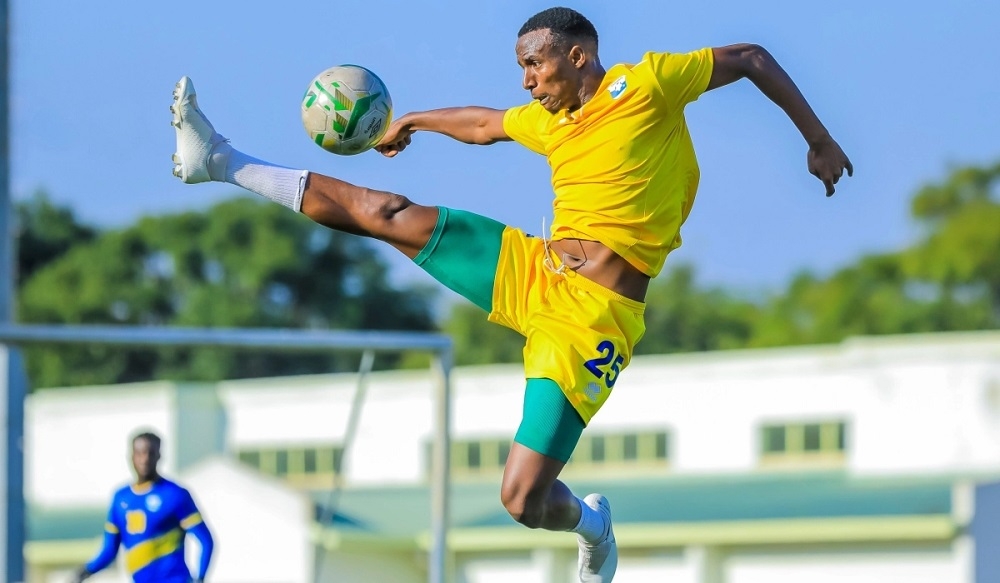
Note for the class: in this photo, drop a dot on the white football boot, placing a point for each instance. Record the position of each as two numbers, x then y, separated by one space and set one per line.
598 561
196 138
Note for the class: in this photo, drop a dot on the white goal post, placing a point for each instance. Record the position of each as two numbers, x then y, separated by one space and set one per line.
13 388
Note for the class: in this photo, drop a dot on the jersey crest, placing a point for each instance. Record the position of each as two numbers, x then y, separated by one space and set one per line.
618 87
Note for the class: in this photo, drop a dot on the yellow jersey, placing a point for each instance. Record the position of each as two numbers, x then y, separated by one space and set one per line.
624 170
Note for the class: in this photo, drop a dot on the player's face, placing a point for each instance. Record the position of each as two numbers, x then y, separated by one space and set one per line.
549 72
145 456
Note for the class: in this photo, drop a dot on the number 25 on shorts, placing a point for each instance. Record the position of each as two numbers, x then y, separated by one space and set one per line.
608 356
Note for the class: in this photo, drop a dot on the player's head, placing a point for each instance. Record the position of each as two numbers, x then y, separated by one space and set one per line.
145 456
557 48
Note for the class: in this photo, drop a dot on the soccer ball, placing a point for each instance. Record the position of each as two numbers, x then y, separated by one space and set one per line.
346 110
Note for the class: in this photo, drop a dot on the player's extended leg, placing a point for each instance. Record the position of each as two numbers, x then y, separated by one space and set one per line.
392 218
532 493
204 155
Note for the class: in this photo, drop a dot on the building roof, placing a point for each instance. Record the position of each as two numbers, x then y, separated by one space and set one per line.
53 524
405 510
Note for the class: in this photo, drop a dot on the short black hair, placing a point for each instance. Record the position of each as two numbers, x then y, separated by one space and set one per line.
150 437
566 24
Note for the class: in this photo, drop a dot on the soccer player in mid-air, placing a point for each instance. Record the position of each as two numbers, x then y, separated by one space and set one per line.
624 175
150 519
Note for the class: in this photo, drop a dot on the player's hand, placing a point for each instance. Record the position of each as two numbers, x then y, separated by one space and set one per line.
396 138
80 575
828 162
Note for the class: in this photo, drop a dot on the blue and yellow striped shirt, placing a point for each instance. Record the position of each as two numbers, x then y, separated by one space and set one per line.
150 521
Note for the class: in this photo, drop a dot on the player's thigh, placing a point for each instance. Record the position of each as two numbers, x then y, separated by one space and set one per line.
522 280
582 338
463 252
550 426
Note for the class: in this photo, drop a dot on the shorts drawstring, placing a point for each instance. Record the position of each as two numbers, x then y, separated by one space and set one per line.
548 262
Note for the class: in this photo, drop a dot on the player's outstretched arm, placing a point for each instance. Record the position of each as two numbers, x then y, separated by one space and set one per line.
106 556
472 125
826 159
204 537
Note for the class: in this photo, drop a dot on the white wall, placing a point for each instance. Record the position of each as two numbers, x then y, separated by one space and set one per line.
500 568
77 440
396 420
388 447
676 565
712 406
912 405
261 528
859 566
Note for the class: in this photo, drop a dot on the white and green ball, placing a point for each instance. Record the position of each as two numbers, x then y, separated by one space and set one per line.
346 110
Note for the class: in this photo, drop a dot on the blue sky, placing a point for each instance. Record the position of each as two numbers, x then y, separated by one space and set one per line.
909 89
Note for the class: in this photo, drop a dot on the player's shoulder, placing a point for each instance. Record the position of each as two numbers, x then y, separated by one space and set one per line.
659 58
171 486
531 117
644 60
626 77
533 107
124 490
643 68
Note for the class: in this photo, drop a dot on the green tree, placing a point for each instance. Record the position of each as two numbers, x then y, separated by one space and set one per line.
960 248
479 341
681 317
875 296
241 263
44 233
948 280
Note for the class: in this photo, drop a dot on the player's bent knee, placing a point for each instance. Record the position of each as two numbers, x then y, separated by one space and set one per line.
521 506
382 208
392 205
524 497
392 215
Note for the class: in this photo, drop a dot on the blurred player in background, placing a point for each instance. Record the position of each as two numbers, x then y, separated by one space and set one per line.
625 176
150 519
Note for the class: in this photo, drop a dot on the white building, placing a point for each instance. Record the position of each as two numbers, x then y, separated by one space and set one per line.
867 461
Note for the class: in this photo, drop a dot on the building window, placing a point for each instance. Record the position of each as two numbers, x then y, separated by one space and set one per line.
597 453
250 458
819 444
647 450
471 458
774 439
503 451
475 457
309 461
305 466
281 462
631 444
661 446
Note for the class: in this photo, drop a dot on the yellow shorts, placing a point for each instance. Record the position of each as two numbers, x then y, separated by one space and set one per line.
579 334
